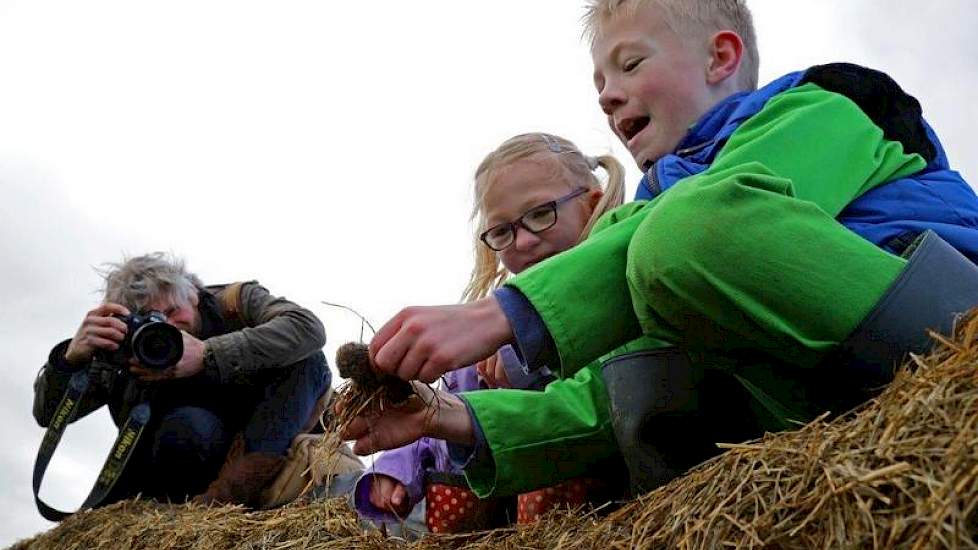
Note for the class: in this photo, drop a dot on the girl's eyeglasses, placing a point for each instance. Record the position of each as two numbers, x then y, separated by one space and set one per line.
539 218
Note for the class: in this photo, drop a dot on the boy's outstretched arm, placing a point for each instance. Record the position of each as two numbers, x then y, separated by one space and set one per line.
535 439
509 440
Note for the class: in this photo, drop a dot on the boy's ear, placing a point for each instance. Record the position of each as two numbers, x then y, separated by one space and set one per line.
726 49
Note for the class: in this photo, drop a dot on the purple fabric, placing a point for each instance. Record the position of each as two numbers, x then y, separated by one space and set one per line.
410 463
520 376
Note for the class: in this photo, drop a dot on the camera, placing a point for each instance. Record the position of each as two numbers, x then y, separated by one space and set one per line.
155 343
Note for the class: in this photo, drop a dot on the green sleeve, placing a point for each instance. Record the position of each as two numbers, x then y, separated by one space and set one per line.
820 143
538 438
823 142
616 215
563 289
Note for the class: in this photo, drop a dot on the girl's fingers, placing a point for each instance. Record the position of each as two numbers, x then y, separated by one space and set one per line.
480 368
499 374
397 498
491 377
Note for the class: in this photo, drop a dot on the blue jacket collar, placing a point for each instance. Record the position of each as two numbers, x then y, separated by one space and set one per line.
705 138
720 122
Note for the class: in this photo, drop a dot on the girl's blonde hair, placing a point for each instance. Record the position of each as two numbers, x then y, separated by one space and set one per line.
488 272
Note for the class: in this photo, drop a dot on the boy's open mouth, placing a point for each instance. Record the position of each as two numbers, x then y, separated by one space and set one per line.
630 127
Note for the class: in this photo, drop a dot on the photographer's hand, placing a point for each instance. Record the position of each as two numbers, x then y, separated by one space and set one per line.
98 330
190 364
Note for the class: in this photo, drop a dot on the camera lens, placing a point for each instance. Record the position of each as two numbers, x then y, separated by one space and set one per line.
157 345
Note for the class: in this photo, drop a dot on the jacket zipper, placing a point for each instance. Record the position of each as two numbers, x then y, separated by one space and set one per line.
652 177
652 180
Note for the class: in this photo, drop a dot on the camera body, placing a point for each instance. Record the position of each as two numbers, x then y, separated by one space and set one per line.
155 343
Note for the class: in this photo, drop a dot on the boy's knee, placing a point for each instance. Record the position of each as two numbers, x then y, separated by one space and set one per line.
679 235
700 227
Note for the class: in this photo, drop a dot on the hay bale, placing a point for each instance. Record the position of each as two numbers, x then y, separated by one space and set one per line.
900 472
147 525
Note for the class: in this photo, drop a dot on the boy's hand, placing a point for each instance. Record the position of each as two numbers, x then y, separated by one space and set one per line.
422 343
429 413
387 493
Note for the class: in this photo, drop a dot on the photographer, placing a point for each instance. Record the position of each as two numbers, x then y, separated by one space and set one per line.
251 364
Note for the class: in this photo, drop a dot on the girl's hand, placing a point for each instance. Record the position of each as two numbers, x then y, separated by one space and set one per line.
491 370
389 494
429 413
422 343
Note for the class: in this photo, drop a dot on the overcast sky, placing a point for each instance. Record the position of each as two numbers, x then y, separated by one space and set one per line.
323 148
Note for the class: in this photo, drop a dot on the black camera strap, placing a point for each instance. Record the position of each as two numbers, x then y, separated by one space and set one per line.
118 457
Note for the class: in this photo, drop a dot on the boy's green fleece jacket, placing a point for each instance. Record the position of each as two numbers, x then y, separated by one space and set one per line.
746 256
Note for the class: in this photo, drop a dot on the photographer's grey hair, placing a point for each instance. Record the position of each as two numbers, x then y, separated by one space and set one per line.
138 281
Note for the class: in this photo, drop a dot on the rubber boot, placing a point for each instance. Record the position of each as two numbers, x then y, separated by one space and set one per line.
451 507
650 392
935 289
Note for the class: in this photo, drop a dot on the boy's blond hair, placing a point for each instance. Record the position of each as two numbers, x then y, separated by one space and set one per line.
488 273
688 18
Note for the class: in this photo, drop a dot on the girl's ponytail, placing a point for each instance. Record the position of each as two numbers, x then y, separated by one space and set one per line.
614 189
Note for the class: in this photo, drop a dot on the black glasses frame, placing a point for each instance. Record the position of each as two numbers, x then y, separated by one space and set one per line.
519 221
